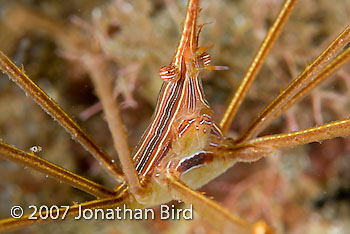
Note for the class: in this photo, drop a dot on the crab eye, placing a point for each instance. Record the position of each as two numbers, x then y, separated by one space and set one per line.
167 73
205 58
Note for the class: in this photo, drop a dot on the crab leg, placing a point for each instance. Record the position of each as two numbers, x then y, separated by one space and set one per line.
55 111
342 59
340 128
256 64
259 123
257 148
220 218
64 212
31 160
104 89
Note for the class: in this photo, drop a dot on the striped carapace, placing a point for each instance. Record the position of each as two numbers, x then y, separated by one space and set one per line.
182 123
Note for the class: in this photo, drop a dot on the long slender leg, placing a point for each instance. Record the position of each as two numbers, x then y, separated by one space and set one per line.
103 86
296 86
39 164
91 60
222 219
340 128
104 89
257 148
256 64
64 212
41 98
329 69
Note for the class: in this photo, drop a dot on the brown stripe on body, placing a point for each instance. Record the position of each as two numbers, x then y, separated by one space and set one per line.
194 161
